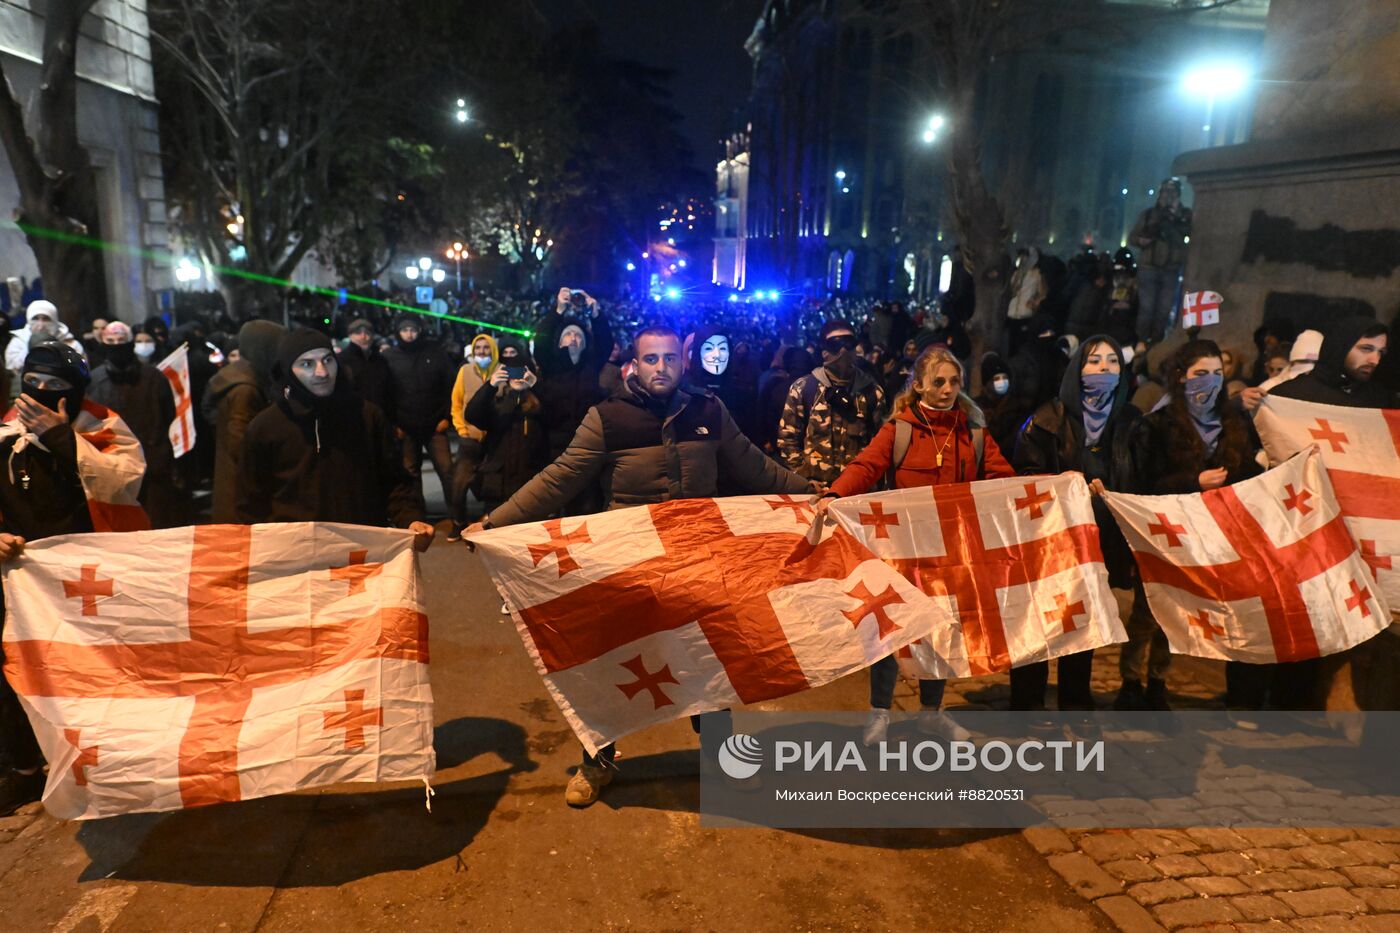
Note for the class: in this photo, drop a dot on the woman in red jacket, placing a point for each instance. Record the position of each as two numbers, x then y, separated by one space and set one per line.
942 449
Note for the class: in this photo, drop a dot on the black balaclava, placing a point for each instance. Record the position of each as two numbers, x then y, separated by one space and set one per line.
415 345
289 386
155 326
54 358
120 356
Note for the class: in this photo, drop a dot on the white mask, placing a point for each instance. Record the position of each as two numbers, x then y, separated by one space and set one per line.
714 355
145 350
482 361
1001 385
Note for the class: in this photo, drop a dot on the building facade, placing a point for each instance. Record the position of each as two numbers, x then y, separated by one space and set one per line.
846 180
118 123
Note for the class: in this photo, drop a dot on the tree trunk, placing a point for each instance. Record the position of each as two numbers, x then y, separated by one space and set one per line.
58 191
980 221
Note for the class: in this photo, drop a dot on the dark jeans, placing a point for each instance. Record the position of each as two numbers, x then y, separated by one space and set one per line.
1247 685
722 717
440 450
18 747
1029 681
884 674
464 469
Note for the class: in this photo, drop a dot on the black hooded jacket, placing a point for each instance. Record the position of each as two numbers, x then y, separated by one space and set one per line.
421 379
330 460
516 446
568 389
1053 441
1328 383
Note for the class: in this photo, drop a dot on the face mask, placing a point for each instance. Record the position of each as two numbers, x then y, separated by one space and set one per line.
1001 385
1097 385
42 328
120 354
145 350
482 361
1202 392
714 355
50 398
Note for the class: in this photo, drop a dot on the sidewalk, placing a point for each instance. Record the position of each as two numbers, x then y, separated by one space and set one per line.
1248 879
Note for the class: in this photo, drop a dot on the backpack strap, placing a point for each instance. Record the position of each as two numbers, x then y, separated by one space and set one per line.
979 444
903 436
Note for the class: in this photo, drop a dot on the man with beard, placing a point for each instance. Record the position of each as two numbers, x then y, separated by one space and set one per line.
141 394
832 413
650 442
1352 348
321 453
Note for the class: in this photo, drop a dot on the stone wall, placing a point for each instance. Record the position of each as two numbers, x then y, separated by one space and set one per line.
1300 221
118 121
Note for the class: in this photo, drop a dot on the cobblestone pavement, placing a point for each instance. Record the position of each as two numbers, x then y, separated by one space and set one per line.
1246 879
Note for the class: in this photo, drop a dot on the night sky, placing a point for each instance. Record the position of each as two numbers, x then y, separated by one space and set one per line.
702 41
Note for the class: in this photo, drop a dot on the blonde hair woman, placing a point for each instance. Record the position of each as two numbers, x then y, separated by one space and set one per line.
942 449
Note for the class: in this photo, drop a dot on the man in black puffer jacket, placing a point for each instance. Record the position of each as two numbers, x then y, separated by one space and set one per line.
650 442
421 376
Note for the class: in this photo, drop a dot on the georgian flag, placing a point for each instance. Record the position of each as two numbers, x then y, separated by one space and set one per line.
189 666
1360 447
643 615
111 465
176 369
1261 571
1016 562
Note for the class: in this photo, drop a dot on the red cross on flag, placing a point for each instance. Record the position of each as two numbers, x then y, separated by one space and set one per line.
176 668
111 465
1199 309
176 368
1015 562
1360 447
643 615
1264 570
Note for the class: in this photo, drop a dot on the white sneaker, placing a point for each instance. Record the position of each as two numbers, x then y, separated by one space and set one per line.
876 727
937 722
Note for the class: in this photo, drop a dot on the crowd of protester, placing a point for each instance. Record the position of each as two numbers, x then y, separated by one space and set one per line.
530 407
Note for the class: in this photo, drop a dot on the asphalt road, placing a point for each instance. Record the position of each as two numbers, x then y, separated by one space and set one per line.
501 850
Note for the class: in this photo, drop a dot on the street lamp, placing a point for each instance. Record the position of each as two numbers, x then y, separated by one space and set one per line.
935 123
458 251
411 272
1214 81
462 115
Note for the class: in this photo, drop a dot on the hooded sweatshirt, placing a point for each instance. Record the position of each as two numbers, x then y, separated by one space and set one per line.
235 396
322 459
1328 382
18 347
470 378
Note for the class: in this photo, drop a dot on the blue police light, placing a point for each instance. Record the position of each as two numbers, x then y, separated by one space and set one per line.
673 293
773 296
733 297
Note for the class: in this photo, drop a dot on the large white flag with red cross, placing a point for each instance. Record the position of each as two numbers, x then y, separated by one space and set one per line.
1016 562
176 668
1360 447
111 464
176 369
1261 571
642 615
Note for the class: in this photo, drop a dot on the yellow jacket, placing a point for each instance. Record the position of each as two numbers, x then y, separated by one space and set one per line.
470 378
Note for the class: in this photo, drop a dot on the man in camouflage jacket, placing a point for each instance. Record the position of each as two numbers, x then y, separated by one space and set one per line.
831 414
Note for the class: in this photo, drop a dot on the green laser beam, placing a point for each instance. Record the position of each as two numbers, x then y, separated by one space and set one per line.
169 259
